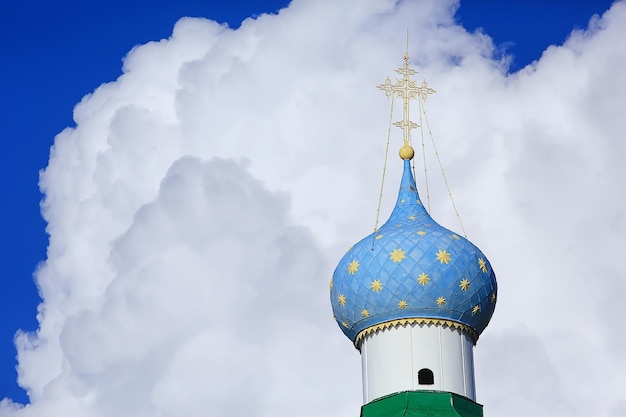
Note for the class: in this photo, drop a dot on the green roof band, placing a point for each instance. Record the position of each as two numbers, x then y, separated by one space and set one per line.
422 404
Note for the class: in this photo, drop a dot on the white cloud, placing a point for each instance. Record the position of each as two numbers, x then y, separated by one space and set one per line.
197 210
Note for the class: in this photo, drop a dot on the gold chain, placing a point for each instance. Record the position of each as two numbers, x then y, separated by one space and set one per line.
382 183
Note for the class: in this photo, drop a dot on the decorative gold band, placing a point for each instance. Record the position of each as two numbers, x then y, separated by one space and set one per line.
419 321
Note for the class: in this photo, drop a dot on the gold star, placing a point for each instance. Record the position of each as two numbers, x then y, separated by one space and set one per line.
331 283
350 248
421 233
365 313
423 278
397 255
341 299
441 301
482 264
464 284
353 267
376 285
455 237
402 304
345 324
402 201
443 256
411 217
475 310
493 297
378 237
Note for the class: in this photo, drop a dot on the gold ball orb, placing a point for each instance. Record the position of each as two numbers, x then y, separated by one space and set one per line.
406 152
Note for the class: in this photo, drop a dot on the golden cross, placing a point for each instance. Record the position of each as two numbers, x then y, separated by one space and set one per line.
406 88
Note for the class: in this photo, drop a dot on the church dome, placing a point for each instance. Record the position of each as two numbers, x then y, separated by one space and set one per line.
412 270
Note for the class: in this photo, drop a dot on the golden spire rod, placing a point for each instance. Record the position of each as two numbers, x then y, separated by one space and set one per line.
408 89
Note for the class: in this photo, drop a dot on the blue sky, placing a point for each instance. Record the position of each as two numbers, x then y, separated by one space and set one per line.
56 52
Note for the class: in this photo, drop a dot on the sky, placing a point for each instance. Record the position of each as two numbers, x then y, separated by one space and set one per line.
205 179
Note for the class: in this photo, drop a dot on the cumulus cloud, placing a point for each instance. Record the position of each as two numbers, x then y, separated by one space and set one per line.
197 209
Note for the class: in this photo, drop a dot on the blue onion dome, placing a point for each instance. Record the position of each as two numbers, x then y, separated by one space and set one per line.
412 270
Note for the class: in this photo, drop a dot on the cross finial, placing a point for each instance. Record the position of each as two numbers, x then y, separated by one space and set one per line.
408 89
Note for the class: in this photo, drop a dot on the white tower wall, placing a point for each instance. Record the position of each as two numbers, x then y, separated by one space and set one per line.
391 359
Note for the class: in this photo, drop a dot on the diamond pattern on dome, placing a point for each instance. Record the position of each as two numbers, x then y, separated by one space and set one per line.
412 268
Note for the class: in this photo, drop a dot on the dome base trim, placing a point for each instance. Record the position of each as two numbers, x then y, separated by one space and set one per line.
414 320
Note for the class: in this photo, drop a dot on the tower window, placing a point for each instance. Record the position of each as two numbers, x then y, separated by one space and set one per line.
425 377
